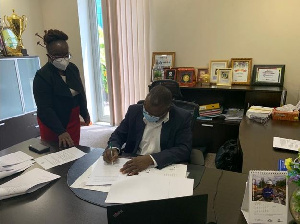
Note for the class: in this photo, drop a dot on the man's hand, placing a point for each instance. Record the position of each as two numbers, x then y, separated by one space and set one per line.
136 165
110 155
65 140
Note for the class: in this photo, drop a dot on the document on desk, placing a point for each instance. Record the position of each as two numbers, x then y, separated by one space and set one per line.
105 174
14 158
59 158
175 170
285 143
145 188
80 182
26 183
10 170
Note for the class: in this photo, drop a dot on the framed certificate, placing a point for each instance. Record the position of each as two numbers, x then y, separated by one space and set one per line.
224 77
241 70
268 75
163 59
214 65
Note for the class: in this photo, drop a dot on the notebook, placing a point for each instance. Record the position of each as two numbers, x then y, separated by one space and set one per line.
190 209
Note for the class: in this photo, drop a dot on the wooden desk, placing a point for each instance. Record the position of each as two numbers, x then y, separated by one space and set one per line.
257 143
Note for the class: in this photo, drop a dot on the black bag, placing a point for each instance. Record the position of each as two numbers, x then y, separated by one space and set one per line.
229 156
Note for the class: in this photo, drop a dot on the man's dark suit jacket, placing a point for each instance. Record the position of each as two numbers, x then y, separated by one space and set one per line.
175 139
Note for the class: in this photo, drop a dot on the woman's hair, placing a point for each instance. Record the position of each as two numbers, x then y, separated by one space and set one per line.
54 35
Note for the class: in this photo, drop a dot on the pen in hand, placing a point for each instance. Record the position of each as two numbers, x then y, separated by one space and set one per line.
111 154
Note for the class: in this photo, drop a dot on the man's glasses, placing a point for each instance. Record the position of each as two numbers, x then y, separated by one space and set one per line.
66 57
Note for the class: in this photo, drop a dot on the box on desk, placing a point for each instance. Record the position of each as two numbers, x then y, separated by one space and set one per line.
283 115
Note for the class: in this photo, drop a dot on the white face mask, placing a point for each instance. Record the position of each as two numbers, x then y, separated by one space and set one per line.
61 63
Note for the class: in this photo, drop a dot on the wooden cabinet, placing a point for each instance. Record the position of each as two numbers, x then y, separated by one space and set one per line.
213 134
18 121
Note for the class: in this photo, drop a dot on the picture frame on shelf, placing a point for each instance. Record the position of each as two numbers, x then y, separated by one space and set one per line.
241 70
186 76
10 42
200 73
157 74
224 77
214 65
163 59
2 47
268 75
170 73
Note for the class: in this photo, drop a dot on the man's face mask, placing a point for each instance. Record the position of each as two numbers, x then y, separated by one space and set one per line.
148 117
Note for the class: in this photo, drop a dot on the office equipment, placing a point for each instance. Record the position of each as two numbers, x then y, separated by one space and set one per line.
266 197
190 209
39 148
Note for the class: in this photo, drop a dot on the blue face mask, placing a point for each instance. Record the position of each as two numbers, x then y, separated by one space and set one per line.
148 117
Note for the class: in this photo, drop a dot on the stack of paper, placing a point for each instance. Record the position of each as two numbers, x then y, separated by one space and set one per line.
259 111
234 114
55 159
209 111
103 177
14 163
26 183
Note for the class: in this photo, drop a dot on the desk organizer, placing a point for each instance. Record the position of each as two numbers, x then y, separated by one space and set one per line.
283 115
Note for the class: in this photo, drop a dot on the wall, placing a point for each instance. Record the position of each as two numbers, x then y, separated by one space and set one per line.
203 30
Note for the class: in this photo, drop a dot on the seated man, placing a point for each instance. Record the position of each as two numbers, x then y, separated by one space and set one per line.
159 132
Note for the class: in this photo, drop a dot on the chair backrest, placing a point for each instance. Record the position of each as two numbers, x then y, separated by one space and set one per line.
191 107
172 85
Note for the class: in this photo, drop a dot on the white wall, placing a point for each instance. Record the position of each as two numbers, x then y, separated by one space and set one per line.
203 30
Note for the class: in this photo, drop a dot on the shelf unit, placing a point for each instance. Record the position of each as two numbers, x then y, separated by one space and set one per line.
18 120
213 134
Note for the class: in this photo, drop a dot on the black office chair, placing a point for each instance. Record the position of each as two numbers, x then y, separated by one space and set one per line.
172 85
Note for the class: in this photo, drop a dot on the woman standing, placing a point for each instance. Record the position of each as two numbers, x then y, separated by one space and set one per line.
59 93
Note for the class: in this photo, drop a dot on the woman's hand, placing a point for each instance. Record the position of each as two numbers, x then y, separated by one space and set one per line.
65 140
87 120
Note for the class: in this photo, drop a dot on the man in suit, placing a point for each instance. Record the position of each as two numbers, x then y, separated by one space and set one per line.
157 131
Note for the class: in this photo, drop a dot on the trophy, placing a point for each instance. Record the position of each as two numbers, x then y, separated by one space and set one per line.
18 25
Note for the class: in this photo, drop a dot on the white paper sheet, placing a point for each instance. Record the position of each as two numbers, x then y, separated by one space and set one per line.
59 158
80 182
176 170
284 143
26 183
105 174
150 187
16 168
14 158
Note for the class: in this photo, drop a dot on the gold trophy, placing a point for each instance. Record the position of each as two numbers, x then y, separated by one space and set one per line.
18 25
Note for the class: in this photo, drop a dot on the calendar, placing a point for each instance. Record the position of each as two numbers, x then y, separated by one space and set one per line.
266 197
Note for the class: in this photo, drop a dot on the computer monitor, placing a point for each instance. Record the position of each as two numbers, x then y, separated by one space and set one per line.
182 210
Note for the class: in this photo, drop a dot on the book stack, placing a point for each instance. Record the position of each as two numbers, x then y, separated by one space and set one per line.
234 114
259 114
207 112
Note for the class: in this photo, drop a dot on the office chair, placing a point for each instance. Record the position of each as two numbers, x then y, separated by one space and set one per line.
172 85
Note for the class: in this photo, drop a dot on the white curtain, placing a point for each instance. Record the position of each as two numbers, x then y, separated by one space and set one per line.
126 26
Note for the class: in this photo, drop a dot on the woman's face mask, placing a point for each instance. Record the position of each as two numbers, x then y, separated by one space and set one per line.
148 117
61 63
